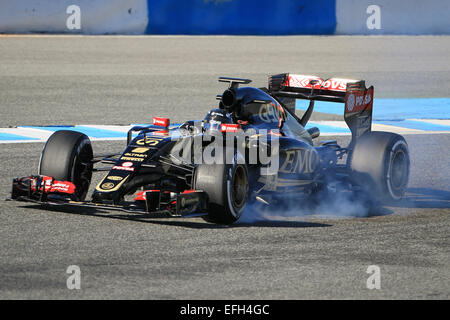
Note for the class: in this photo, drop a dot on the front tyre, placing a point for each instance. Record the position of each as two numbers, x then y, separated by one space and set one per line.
227 188
380 164
67 156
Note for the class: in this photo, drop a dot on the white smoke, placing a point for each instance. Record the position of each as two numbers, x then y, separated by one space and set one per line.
325 205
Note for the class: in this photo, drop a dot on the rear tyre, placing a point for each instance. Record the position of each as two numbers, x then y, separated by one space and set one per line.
67 156
227 188
380 164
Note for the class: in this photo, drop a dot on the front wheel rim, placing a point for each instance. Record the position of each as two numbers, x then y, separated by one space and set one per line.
239 187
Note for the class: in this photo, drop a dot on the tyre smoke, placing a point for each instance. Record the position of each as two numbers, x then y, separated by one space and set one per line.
324 205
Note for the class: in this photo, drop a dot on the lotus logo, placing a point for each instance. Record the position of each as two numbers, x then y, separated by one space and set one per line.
107 186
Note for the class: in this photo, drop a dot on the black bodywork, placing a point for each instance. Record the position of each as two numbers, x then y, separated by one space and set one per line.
151 160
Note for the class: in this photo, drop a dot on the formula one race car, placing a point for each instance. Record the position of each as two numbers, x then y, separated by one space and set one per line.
252 148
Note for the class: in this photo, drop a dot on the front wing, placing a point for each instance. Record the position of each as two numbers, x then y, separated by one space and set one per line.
36 189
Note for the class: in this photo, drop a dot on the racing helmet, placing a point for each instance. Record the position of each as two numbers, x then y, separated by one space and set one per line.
215 118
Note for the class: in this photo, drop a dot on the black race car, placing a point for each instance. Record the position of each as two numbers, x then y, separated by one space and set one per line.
251 149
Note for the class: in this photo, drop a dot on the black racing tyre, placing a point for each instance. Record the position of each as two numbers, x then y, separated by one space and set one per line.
380 164
67 156
227 188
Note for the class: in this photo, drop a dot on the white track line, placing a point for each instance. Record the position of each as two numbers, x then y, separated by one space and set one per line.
42 134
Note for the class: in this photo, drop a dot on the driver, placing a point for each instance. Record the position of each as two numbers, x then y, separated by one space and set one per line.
215 118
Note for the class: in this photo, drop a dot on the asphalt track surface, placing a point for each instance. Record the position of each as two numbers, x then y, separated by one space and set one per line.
120 80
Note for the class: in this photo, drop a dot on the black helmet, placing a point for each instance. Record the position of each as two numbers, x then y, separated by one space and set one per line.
215 118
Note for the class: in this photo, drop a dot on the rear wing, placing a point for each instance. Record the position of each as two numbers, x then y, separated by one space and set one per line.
300 87
357 98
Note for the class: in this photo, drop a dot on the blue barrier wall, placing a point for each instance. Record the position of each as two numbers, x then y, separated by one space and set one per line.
253 17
